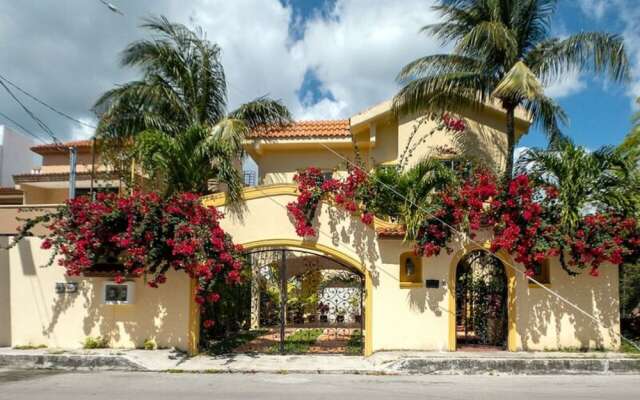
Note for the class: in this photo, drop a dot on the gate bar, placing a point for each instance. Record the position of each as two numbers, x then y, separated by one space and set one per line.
283 297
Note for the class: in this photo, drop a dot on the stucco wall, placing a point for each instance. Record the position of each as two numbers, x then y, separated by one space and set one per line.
483 140
40 316
411 318
5 295
545 322
38 195
280 166
59 162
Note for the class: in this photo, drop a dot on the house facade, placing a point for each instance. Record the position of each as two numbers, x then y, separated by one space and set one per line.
407 302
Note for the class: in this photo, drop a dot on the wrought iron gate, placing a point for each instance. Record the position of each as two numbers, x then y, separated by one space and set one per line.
318 299
481 300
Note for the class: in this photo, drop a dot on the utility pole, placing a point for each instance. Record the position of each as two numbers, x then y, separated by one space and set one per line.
283 297
93 167
73 159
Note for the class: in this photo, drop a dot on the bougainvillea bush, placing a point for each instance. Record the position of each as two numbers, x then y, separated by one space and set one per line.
313 186
142 235
522 214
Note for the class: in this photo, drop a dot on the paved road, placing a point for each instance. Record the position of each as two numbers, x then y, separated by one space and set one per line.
17 385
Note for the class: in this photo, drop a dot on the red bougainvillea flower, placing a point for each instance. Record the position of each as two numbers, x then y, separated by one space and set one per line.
313 187
213 297
367 218
208 323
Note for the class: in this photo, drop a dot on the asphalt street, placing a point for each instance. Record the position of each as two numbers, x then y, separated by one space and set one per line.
33 384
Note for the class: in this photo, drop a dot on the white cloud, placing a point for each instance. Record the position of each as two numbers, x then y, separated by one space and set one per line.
595 9
358 48
570 84
630 15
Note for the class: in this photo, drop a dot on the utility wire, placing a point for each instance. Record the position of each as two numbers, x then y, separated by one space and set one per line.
32 115
471 240
22 128
42 102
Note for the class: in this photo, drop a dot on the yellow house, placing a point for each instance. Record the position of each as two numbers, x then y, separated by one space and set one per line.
407 302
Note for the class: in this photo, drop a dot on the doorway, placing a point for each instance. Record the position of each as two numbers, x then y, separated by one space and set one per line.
481 303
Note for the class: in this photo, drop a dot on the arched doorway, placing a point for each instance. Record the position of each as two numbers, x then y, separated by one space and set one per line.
481 293
305 298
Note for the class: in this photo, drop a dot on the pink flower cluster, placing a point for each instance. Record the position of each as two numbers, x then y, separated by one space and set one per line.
313 186
453 124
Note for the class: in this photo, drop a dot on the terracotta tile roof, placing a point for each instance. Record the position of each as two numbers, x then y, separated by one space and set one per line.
394 232
9 191
305 129
60 176
54 148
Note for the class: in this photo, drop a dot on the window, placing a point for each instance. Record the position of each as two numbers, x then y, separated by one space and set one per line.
118 293
542 274
410 270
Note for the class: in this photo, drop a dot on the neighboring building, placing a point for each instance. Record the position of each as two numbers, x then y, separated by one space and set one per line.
408 302
11 196
49 184
15 156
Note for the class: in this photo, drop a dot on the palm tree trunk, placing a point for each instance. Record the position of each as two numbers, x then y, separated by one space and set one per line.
511 142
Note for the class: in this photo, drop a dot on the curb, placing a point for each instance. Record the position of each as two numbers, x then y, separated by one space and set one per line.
548 366
69 362
405 366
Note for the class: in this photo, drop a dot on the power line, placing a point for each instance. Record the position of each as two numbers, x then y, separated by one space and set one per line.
42 102
31 114
22 128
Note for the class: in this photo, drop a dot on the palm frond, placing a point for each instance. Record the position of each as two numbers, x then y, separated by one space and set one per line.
598 52
262 112
453 91
437 64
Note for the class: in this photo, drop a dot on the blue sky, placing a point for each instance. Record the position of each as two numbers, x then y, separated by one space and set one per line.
324 59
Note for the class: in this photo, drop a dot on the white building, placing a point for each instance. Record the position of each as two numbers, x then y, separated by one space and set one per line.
15 155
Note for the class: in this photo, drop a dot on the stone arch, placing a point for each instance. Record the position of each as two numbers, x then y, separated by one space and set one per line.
512 335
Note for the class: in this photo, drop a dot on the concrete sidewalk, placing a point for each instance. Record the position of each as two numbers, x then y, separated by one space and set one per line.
383 363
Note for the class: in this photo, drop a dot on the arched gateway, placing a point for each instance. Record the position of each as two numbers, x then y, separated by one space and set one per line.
263 226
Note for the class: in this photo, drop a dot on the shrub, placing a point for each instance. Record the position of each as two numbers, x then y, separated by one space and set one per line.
150 344
97 342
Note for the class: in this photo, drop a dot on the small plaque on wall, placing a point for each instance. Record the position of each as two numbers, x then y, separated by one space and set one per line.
432 283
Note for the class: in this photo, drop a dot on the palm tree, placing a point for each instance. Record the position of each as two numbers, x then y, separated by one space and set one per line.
177 163
410 201
601 180
182 92
503 53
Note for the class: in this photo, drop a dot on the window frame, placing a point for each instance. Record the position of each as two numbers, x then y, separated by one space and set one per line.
544 276
415 280
130 293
